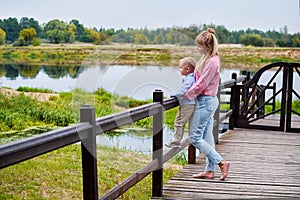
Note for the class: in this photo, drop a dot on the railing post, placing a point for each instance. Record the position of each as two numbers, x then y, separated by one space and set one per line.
89 155
157 175
233 98
289 99
284 99
191 154
245 91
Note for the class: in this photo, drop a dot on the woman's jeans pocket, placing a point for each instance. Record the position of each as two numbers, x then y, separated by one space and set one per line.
209 104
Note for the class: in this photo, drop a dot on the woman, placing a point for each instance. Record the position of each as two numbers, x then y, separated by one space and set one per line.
207 74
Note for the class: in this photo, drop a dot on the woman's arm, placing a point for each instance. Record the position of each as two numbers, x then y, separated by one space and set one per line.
206 77
187 82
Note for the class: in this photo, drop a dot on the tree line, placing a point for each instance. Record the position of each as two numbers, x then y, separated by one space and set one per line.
28 31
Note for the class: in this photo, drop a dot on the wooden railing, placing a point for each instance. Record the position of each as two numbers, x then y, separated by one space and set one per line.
249 99
89 127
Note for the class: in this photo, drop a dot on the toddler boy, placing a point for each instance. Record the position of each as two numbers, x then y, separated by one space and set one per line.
186 107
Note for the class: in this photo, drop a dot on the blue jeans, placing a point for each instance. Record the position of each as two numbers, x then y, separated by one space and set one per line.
201 129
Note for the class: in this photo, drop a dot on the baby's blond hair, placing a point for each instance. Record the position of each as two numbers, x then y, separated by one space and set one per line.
188 62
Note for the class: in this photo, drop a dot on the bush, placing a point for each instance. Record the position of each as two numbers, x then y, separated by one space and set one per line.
17 43
36 42
29 89
252 40
2 36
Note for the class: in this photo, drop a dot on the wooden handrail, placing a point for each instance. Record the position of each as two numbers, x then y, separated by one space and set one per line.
145 171
254 98
18 151
21 150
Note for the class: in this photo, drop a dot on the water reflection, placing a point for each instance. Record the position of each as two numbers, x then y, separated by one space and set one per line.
131 141
134 81
12 71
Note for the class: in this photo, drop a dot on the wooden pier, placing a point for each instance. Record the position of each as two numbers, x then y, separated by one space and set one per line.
263 144
264 164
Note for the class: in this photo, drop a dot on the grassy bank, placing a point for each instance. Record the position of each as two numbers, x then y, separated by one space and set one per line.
58 175
79 54
23 115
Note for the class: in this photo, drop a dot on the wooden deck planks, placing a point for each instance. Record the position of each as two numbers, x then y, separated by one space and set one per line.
264 164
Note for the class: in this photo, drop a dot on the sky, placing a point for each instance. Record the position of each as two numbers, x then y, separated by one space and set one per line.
234 15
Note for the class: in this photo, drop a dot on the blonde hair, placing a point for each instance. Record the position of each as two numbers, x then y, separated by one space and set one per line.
208 40
188 62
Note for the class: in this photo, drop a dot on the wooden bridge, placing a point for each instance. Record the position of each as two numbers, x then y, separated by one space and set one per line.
262 143
264 164
263 150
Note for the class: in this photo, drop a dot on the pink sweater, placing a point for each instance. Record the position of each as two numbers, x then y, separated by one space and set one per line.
208 81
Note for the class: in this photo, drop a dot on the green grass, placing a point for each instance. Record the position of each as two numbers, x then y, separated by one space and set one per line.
66 55
58 174
268 108
295 107
19 113
29 89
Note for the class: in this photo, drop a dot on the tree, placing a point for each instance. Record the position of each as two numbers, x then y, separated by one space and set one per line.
268 42
296 42
11 27
222 34
156 40
252 39
55 31
159 36
26 36
141 39
171 37
70 33
30 23
104 39
185 40
123 36
110 32
79 31
92 35
2 36
58 31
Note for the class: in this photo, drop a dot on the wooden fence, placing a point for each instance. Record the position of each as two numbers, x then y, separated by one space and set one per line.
249 99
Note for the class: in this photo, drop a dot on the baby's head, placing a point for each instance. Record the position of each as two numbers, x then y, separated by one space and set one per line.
187 65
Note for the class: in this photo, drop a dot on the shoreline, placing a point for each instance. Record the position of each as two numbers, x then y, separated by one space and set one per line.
232 56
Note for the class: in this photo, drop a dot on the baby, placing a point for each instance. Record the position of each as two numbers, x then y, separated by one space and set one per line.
186 107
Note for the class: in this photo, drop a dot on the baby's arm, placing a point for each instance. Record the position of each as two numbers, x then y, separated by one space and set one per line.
186 84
